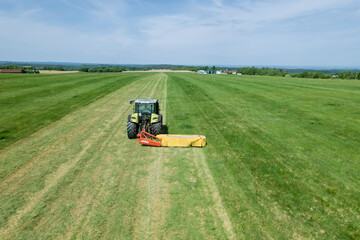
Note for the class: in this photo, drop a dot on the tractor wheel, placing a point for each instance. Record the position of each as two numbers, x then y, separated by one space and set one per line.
156 128
131 130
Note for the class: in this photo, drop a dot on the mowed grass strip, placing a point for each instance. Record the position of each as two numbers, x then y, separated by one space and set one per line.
28 194
283 152
28 103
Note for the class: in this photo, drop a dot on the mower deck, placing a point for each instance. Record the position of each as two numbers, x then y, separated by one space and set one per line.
172 140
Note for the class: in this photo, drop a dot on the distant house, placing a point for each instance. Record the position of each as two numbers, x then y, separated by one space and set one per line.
231 72
12 71
218 71
202 72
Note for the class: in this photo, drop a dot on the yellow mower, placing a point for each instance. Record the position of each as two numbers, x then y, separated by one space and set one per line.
146 124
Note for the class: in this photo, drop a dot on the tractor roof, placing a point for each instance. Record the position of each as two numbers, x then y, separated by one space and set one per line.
146 101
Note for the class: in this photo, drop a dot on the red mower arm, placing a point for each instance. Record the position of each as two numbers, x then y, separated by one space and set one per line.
149 139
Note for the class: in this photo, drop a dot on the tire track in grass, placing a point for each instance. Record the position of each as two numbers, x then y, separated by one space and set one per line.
204 171
106 181
200 163
101 193
205 174
101 152
152 216
157 201
160 197
279 214
53 178
221 210
199 211
178 176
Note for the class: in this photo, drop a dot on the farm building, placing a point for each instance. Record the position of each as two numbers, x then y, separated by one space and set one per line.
209 72
12 71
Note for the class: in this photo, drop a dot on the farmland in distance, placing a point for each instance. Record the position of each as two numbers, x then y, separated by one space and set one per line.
282 159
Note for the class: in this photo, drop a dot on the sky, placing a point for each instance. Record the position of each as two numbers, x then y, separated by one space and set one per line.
189 32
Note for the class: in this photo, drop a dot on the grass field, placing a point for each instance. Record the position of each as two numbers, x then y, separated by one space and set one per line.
282 161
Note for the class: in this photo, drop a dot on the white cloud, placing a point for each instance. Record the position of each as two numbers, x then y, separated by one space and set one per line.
245 32
210 32
26 38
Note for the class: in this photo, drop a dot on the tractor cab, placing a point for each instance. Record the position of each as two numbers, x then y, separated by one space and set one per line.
146 106
146 115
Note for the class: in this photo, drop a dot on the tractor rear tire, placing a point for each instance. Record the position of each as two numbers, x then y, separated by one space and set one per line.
132 130
156 128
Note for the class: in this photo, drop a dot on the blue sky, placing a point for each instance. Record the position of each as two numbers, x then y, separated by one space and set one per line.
193 32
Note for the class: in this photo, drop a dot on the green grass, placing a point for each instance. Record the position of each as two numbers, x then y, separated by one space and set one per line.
284 152
282 160
30 102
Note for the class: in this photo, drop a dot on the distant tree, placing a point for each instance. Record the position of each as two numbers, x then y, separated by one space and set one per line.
348 75
341 75
304 75
353 75
83 69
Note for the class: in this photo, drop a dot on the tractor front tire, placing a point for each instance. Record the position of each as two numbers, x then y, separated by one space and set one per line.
132 130
156 128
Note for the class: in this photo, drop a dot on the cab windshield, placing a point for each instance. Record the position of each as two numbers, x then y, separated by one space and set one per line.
145 108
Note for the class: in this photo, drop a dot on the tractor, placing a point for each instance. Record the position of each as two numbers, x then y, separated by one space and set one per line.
145 116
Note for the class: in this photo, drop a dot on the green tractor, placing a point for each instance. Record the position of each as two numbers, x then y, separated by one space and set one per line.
146 116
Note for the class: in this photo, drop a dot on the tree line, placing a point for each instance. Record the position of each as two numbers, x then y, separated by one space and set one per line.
54 68
283 73
340 75
311 75
26 69
102 69
349 75
262 71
